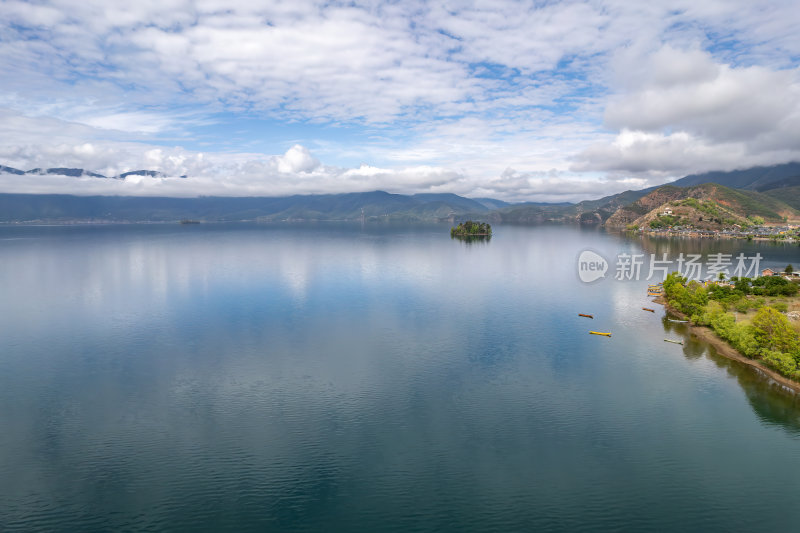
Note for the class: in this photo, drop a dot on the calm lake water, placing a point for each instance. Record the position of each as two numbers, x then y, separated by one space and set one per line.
378 378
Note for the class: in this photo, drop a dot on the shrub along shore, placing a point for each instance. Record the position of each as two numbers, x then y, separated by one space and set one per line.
748 314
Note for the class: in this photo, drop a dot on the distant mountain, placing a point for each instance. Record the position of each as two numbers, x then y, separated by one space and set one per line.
768 192
709 206
536 214
761 179
9 170
78 172
780 184
787 195
74 172
491 203
754 179
630 213
149 173
453 200
586 212
376 205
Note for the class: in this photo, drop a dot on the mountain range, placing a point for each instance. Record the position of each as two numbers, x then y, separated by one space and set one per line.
772 193
79 172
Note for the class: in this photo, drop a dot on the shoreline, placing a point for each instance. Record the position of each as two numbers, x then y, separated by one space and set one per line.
724 349
716 235
699 234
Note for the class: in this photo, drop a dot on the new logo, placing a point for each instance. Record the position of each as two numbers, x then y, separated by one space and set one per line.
591 266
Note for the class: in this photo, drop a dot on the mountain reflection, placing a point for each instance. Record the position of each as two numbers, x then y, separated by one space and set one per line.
375 377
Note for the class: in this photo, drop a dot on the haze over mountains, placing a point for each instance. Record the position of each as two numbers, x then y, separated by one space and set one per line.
770 192
79 172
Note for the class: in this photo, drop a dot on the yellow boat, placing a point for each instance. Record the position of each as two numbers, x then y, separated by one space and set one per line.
600 333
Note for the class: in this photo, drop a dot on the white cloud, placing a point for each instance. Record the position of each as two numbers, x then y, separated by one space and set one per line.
296 171
441 96
638 152
554 186
691 93
297 159
687 113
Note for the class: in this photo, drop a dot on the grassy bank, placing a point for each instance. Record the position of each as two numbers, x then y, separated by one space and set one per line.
748 314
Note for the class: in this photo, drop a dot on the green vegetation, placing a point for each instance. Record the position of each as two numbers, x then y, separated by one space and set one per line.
471 229
691 202
767 336
787 195
753 204
665 221
708 207
369 206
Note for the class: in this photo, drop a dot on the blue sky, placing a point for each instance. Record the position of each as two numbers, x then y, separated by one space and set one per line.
543 101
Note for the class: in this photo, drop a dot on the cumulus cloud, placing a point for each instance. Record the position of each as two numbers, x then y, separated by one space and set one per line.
689 92
363 61
688 113
297 159
296 171
438 96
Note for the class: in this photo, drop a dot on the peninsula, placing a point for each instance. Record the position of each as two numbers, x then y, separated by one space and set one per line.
755 321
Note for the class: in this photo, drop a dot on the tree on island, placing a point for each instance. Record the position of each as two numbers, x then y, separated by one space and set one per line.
789 269
471 229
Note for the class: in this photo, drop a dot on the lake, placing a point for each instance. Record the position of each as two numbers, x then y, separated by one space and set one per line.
337 377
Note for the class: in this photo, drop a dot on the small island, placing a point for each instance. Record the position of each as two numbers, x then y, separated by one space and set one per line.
470 229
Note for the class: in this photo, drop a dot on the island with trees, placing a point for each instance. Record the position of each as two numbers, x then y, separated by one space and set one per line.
470 229
756 317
